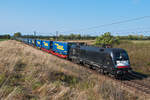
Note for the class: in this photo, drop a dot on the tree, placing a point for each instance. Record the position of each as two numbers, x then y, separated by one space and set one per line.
7 36
72 36
61 37
17 34
106 39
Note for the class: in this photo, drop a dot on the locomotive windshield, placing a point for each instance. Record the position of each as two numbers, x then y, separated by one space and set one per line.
121 55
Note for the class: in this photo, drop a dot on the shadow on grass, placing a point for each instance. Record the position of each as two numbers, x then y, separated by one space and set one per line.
135 76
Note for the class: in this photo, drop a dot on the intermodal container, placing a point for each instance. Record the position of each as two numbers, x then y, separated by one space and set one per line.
61 47
39 43
46 44
30 41
25 41
33 42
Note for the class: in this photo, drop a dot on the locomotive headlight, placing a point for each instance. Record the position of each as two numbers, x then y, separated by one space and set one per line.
125 62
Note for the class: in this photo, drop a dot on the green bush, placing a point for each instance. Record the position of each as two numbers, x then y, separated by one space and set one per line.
19 66
106 39
67 79
6 90
148 64
36 85
2 78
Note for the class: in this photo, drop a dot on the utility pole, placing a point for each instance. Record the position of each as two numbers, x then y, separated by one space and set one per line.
34 34
56 35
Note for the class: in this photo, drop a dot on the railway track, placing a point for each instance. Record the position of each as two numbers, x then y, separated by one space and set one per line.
132 81
137 84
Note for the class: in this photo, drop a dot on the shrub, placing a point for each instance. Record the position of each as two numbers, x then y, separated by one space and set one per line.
106 39
19 66
6 90
36 85
2 78
148 64
83 85
67 79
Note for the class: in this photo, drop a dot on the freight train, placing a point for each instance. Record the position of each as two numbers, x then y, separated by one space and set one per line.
112 61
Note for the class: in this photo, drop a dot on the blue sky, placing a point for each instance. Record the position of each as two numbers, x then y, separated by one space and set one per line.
69 16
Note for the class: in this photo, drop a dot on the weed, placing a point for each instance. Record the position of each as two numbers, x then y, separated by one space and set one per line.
111 92
57 83
84 85
19 66
2 78
148 64
91 95
3 39
36 85
33 99
6 90
15 79
67 79
19 90
68 95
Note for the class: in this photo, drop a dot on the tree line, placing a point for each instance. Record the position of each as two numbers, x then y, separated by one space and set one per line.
60 37
72 36
81 37
6 36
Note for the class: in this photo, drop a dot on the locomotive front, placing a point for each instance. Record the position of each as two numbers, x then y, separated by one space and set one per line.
121 61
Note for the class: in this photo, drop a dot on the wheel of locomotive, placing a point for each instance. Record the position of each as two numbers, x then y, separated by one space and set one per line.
77 61
96 68
110 75
81 63
73 60
84 63
91 67
101 71
116 76
106 72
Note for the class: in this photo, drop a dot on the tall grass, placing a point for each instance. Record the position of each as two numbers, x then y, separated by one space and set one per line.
30 74
3 39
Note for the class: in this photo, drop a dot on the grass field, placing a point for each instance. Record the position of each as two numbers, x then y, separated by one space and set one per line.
30 74
140 41
3 39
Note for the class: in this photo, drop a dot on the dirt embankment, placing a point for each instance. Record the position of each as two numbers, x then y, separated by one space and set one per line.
27 73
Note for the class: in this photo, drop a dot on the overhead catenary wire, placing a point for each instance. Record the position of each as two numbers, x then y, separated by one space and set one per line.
133 32
105 25
98 26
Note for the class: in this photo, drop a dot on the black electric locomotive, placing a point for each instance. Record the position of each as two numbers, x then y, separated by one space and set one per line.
114 61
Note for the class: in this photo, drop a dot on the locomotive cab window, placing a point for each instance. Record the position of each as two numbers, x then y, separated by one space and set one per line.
121 55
